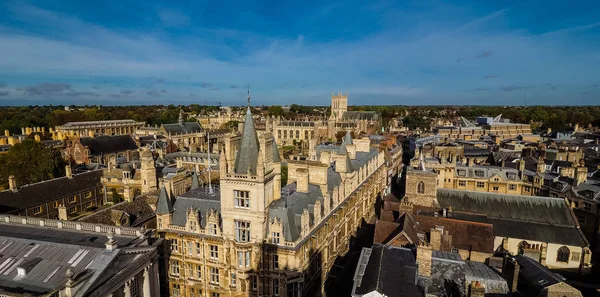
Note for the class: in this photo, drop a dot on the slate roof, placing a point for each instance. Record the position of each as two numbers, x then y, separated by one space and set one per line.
524 217
47 191
103 145
163 205
46 253
535 275
199 199
493 282
139 212
391 271
360 115
289 208
508 207
247 154
185 128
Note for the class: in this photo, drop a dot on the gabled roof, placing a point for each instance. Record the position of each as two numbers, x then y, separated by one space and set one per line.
194 180
184 128
247 154
508 207
102 145
391 271
360 115
163 205
47 191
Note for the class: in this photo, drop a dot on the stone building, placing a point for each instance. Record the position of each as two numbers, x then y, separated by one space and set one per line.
182 133
252 237
45 257
132 179
545 228
93 128
63 197
102 149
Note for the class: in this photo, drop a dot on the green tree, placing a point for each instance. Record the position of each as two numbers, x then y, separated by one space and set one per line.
116 197
275 110
284 176
30 162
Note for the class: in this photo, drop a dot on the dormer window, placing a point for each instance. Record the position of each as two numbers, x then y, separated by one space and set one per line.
479 173
461 172
275 237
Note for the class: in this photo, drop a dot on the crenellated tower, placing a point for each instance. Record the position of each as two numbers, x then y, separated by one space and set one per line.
339 105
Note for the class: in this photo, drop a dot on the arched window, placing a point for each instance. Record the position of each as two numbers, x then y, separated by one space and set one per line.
563 254
421 188
522 246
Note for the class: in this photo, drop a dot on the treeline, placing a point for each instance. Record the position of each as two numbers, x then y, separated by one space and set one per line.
543 117
555 117
13 118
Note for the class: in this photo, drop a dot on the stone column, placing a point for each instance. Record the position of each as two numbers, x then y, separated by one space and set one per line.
127 289
147 290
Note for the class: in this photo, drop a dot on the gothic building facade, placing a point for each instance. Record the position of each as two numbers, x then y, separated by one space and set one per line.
253 236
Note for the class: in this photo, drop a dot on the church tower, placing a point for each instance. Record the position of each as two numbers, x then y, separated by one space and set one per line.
148 171
339 105
248 187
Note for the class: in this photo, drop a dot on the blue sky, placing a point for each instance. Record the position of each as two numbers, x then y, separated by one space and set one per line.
380 52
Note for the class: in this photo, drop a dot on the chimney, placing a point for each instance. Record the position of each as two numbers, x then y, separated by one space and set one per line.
68 171
541 166
37 137
23 131
12 184
302 180
424 254
549 131
62 213
581 173
6 133
476 289
510 270
435 237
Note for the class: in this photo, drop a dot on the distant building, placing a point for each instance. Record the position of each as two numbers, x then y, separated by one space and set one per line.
43 257
102 149
93 128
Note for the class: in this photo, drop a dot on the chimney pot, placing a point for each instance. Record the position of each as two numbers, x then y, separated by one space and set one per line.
12 184
68 171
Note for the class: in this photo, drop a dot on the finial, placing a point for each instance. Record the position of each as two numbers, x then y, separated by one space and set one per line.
248 87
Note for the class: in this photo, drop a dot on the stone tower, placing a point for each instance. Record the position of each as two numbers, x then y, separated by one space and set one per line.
249 186
148 171
339 105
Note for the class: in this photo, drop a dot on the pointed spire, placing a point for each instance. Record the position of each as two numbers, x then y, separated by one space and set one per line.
163 205
245 161
347 138
194 180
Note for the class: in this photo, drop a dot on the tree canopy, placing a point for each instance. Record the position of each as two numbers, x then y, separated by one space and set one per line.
30 162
